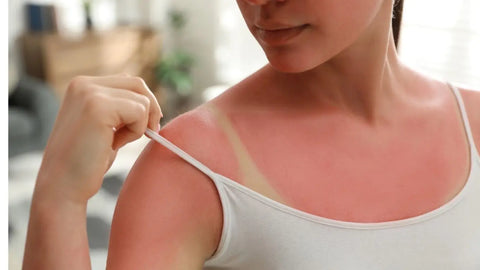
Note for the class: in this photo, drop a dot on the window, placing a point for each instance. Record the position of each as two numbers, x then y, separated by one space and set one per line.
438 37
442 38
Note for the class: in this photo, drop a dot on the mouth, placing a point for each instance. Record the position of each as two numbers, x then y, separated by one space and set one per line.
279 36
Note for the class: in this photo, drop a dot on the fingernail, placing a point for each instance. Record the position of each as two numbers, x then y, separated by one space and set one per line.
158 127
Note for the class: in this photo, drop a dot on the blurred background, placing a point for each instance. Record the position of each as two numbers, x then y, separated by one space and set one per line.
187 51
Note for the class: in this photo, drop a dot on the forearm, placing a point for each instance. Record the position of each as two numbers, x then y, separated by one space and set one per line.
57 235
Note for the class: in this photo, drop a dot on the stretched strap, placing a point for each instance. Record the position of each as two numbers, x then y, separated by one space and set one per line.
466 122
156 137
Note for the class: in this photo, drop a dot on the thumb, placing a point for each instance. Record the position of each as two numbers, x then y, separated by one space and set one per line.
123 136
111 159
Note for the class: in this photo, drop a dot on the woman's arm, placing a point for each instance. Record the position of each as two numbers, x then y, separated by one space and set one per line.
98 115
168 215
57 234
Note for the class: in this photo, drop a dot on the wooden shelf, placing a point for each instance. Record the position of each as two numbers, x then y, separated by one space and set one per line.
57 59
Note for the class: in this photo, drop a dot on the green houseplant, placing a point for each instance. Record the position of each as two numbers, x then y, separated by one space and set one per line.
174 72
87 8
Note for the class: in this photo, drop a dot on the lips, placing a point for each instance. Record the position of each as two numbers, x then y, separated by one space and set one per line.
280 35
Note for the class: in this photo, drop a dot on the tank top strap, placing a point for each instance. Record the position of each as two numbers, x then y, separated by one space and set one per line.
466 122
197 164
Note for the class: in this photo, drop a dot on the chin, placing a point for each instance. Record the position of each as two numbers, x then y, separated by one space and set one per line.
284 64
295 59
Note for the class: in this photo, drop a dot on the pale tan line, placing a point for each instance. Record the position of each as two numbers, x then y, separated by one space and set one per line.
251 176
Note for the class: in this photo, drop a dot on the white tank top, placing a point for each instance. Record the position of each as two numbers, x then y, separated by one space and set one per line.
260 233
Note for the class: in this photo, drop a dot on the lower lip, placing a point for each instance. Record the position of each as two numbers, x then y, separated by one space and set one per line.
280 37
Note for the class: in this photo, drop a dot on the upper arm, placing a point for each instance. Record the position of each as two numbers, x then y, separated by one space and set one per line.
472 106
168 215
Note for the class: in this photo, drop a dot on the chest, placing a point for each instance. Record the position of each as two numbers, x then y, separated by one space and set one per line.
340 171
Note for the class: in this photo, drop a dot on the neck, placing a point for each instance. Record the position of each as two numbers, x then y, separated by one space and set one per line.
362 79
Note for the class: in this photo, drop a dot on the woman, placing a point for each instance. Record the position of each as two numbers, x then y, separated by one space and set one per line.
333 156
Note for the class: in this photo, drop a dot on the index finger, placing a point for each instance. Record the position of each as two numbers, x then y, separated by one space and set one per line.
135 84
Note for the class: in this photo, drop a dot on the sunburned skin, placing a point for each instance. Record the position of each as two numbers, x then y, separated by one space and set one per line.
167 209
330 165
249 173
337 167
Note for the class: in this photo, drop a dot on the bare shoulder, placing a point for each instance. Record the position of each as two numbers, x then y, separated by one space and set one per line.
198 133
169 214
471 98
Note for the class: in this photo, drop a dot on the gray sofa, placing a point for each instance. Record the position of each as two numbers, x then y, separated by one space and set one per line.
32 109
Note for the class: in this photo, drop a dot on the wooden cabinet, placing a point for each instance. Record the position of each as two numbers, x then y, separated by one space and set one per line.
57 59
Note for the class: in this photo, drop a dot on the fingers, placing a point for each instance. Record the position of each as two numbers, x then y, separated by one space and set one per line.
131 117
135 84
138 85
128 95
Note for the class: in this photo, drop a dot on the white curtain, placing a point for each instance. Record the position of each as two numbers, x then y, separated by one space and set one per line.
442 38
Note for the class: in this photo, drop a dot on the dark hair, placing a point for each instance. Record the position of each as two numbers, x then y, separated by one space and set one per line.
397 19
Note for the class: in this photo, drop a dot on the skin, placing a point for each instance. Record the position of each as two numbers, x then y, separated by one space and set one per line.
376 124
336 94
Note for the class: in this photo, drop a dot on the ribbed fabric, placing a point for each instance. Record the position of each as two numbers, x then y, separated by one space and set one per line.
260 233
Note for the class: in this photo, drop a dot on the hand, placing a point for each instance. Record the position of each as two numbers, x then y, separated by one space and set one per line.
98 116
